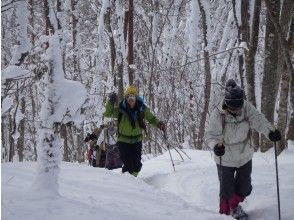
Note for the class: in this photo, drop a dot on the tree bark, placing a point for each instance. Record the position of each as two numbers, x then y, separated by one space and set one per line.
250 63
111 45
63 135
21 130
74 21
207 86
131 42
11 141
285 20
270 82
243 34
290 135
250 55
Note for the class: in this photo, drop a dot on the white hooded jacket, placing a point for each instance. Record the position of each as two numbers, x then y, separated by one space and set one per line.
235 134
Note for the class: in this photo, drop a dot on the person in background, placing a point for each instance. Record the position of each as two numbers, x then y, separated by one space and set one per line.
92 139
89 156
228 135
131 113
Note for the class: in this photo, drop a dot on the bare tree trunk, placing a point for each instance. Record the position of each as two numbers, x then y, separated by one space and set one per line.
34 108
250 63
193 120
3 140
63 135
74 21
290 135
120 57
31 20
71 140
111 45
21 130
243 33
131 41
120 78
250 56
270 82
11 141
80 144
207 86
285 20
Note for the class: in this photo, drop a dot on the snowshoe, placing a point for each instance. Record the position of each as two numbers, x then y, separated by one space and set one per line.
238 213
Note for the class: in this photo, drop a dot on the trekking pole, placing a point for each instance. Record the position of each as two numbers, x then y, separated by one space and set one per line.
165 138
277 179
221 173
185 154
178 148
178 152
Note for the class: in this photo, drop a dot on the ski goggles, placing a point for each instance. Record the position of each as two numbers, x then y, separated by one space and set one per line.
131 98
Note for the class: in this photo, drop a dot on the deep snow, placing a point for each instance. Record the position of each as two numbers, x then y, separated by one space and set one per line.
158 193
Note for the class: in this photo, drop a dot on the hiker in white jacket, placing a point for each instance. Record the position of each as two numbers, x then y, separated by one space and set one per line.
228 135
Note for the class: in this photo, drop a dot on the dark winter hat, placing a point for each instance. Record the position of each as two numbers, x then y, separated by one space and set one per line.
234 95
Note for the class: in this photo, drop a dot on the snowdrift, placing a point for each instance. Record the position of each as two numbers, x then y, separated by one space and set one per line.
158 193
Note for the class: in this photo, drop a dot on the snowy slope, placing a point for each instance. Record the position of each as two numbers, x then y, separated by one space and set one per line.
196 182
158 193
88 193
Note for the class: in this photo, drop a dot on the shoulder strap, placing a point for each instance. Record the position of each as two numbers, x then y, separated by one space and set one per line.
223 118
246 118
119 117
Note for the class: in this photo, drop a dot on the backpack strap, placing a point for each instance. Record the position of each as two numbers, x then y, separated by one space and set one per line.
223 118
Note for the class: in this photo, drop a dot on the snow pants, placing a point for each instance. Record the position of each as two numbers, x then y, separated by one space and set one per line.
130 154
235 185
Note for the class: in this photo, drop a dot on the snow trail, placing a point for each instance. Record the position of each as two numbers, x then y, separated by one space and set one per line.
159 193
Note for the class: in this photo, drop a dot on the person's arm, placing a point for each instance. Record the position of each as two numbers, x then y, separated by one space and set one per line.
257 120
111 111
151 118
213 133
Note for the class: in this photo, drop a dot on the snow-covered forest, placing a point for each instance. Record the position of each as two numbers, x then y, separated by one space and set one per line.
61 59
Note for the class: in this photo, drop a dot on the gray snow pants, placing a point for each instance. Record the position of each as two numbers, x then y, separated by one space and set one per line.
235 180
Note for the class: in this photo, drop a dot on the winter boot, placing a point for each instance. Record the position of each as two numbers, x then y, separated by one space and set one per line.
238 213
135 174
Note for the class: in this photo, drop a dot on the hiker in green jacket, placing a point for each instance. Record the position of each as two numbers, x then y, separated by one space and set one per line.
130 113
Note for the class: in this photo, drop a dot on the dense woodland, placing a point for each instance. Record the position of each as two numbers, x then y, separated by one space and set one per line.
61 59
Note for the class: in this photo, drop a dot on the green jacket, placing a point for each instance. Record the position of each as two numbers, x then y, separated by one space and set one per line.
126 132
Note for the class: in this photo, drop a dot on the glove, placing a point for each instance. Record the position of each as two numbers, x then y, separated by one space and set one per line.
275 135
90 137
162 126
113 98
219 150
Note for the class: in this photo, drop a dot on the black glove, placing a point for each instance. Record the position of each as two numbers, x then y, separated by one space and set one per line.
219 150
162 126
275 135
113 98
96 147
90 137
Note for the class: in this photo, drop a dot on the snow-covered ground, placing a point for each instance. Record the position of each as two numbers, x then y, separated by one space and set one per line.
159 193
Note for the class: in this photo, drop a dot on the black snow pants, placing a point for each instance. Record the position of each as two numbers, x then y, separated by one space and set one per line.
130 154
235 180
